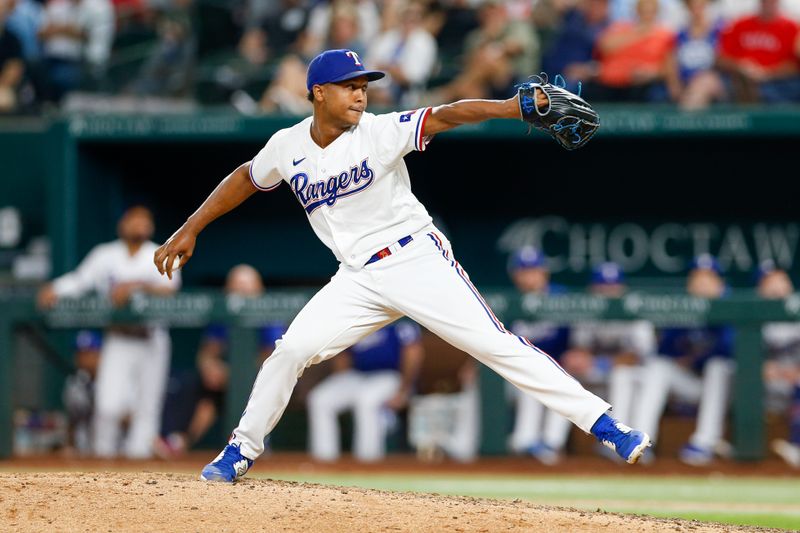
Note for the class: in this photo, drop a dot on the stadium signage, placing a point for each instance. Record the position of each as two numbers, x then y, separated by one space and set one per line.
665 248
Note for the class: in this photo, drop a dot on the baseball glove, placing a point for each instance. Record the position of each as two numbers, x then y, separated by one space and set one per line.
568 118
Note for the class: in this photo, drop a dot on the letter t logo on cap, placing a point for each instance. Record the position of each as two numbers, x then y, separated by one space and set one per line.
354 56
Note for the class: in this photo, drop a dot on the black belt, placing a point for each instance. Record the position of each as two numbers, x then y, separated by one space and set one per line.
386 252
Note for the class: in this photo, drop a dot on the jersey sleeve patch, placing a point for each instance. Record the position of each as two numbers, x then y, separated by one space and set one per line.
406 116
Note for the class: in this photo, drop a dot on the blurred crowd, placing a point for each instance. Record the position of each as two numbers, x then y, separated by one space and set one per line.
123 400
252 54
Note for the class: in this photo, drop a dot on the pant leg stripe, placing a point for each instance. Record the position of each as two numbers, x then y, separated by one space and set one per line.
528 343
483 302
492 317
477 295
438 245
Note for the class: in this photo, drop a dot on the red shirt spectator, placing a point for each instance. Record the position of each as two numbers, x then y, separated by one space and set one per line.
638 56
769 43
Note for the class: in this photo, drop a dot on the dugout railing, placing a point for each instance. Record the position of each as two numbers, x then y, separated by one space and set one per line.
196 309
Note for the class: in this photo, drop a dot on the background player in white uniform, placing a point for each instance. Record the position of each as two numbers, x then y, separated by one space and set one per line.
695 364
134 362
345 166
782 368
606 356
374 379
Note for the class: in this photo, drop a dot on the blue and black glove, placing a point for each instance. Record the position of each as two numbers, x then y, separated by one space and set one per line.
568 118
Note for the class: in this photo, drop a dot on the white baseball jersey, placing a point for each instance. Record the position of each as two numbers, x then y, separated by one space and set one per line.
609 338
132 375
782 340
356 192
111 263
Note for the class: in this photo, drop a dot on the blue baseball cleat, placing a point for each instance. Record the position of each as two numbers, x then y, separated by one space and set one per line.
629 444
696 455
229 465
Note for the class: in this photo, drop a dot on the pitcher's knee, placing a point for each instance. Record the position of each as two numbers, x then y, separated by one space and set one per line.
297 355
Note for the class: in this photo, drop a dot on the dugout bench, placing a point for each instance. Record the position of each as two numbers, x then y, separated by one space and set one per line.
196 309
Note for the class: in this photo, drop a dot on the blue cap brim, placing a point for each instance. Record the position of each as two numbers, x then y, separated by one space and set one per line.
371 75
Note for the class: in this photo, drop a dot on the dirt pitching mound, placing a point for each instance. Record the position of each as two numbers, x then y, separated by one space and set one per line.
88 502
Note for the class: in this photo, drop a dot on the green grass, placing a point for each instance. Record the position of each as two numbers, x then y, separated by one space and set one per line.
767 502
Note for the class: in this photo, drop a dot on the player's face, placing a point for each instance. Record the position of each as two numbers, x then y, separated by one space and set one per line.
609 290
346 101
87 360
775 285
531 279
705 283
244 281
136 225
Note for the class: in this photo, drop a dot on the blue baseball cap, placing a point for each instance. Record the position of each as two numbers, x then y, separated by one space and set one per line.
87 339
607 274
338 65
707 262
526 257
767 266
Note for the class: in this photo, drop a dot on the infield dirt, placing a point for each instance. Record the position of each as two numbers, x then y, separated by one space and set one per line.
127 501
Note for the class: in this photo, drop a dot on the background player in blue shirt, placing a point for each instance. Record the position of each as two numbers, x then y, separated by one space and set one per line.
78 394
374 379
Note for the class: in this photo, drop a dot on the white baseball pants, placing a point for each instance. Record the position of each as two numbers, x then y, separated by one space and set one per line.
131 381
662 375
366 394
424 282
534 424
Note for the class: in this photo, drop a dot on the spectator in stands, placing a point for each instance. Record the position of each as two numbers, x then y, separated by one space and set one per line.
286 93
782 367
196 398
759 54
407 53
24 22
632 57
344 31
728 10
671 13
169 71
76 38
358 23
374 378
695 364
500 53
12 66
607 355
78 394
692 80
449 21
538 431
571 50
134 362
734 9
278 33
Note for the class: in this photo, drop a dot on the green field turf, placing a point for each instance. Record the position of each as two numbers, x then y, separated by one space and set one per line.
767 502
